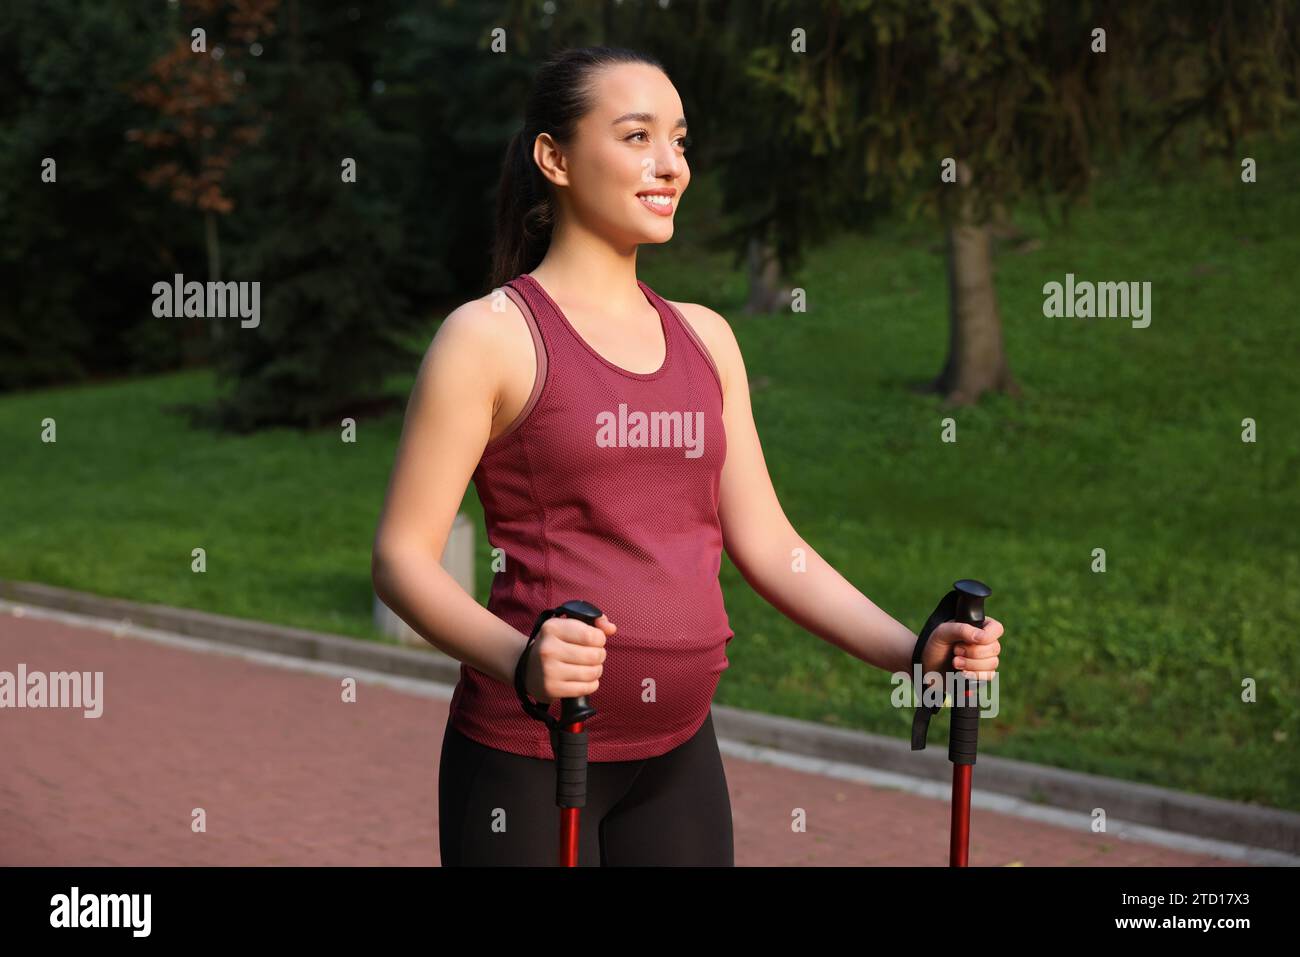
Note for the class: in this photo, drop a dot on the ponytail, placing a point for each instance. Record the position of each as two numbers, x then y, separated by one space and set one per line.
525 218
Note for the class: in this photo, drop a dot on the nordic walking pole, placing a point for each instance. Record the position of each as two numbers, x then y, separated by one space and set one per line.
571 750
965 603
964 730
568 740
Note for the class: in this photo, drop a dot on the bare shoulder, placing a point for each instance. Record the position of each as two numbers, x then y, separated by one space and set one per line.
488 335
716 334
483 353
491 321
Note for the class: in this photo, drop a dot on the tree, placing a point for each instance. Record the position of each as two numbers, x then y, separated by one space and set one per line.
1010 98
83 239
319 240
205 112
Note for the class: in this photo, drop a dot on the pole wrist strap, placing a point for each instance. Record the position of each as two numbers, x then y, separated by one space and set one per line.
534 709
946 610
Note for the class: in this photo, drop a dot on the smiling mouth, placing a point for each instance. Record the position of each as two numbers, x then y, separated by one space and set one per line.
656 202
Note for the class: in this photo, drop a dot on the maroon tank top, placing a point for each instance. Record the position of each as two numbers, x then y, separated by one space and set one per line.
605 489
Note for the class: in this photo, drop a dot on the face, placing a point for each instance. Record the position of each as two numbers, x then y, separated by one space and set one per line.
629 147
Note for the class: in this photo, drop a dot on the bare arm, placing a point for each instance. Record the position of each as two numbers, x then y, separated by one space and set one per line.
448 423
763 545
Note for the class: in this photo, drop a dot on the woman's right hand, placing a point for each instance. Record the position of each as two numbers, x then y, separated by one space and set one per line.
567 659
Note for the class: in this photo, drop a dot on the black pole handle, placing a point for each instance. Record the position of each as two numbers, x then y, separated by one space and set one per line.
964 729
578 709
571 746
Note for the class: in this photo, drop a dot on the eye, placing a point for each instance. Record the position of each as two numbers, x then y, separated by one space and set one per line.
684 139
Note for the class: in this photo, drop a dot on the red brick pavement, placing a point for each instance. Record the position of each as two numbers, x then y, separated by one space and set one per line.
288 773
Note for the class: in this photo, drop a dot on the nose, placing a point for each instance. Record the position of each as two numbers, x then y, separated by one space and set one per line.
667 163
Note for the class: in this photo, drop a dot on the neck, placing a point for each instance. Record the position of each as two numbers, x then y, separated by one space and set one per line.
588 271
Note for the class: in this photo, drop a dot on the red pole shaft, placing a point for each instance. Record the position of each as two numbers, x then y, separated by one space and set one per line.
960 834
569 824
569 836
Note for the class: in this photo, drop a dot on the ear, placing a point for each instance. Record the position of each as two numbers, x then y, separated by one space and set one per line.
550 159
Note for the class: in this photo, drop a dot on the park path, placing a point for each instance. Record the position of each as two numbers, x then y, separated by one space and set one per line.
289 774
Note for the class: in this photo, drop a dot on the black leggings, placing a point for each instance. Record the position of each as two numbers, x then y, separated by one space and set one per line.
498 808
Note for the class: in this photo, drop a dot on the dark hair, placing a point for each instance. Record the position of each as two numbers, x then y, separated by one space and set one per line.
561 95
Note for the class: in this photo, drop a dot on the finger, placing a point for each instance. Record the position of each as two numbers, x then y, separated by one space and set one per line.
573 689
978 670
578 632
975 664
577 672
987 651
962 631
570 653
952 632
991 631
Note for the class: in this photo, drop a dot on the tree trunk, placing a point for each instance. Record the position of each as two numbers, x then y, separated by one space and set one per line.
976 361
214 264
765 291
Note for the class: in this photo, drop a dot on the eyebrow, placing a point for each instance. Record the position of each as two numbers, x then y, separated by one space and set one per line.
645 118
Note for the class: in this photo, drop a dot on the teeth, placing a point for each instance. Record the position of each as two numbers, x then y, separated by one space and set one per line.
659 200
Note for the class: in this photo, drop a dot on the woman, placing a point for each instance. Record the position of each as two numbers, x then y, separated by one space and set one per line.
609 436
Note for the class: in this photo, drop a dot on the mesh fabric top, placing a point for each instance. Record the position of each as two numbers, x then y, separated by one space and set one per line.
605 489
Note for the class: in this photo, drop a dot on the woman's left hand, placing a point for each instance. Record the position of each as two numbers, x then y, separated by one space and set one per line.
957 646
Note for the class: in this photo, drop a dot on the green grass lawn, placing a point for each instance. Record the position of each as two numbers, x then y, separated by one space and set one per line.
1126 439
